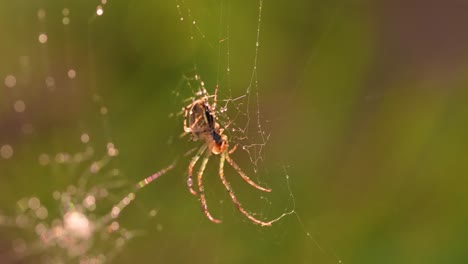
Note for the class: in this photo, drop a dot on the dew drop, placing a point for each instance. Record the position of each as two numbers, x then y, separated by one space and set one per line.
84 138
189 181
10 81
115 212
103 110
42 213
66 21
41 14
19 106
34 203
44 159
50 82
42 38
6 151
99 11
71 73
114 226
153 213
89 201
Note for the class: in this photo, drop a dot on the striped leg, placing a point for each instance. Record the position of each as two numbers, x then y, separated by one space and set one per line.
190 168
201 189
233 197
243 175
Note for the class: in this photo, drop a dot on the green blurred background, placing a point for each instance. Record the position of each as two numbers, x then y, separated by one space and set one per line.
366 103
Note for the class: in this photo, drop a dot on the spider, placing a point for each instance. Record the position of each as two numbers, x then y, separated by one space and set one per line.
200 123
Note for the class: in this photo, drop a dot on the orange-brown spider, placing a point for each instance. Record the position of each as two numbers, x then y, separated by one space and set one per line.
200 123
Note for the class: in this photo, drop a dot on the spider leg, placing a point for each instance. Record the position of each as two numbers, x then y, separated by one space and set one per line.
233 197
189 129
190 168
233 149
242 174
202 189
186 114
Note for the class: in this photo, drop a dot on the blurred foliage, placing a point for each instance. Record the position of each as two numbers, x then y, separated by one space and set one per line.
366 104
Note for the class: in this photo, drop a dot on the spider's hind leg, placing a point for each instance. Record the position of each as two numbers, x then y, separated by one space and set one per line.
190 169
243 175
233 197
201 188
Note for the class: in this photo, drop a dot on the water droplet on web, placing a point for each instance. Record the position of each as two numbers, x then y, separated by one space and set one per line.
42 213
66 11
41 14
94 168
111 150
77 224
84 138
89 201
42 38
40 229
44 159
71 73
66 21
21 221
153 213
6 151
56 195
115 212
34 203
114 226
50 82
19 106
99 11
103 110
60 158
120 242
10 81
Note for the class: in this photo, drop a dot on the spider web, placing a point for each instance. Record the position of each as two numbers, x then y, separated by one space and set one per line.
58 156
238 110
240 106
59 99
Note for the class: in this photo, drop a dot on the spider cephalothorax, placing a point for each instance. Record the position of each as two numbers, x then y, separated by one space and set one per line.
200 122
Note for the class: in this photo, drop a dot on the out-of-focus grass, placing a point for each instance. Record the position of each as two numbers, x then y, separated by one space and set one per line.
366 105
